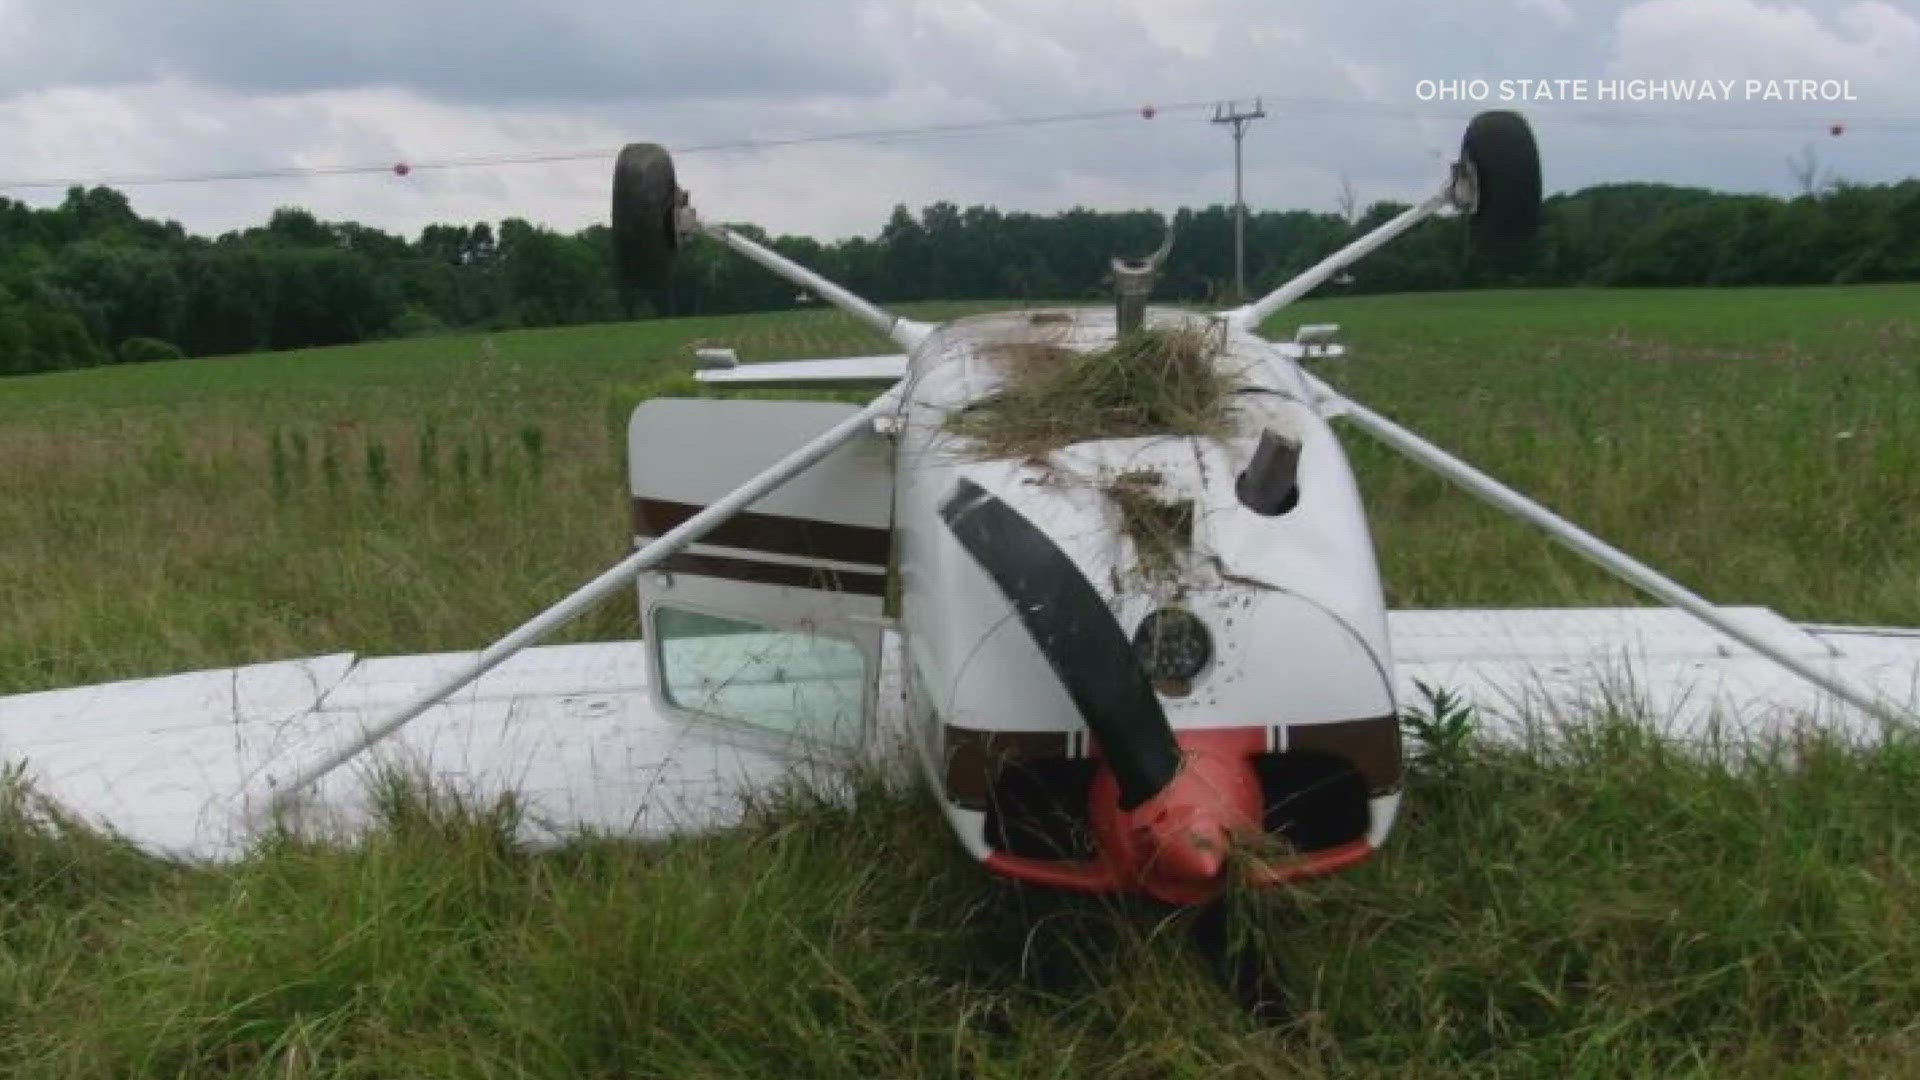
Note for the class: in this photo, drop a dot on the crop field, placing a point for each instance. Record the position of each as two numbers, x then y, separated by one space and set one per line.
1604 907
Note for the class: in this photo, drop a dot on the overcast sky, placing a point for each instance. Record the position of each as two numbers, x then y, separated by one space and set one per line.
93 89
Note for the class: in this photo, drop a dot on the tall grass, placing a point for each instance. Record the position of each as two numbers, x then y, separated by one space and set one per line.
1756 443
1600 906
1589 904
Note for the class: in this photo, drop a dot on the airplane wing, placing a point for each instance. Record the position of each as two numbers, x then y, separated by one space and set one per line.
847 371
182 765
1523 670
870 371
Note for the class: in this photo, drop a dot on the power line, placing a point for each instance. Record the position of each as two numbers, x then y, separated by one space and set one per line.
876 135
1304 107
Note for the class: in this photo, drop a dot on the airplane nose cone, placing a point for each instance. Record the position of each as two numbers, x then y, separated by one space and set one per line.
1175 845
1183 858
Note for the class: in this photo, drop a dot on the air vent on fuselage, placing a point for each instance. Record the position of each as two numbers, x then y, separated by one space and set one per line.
1037 809
1270 484
1313 799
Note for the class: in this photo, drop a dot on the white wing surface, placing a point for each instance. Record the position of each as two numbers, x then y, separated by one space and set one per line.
1526 667
182 765
848 371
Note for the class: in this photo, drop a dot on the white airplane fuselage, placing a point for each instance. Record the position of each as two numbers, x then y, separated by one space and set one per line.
1294 695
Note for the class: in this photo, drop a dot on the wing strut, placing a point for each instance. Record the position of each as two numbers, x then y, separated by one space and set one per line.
1593 549
619 575
1250 316
905 332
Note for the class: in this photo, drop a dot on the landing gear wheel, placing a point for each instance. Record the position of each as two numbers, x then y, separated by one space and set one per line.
1240 964
646 202
1504 164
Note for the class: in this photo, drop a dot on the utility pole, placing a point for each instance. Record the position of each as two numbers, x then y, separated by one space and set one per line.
1229 113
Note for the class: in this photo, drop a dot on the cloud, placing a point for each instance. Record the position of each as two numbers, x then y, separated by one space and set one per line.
1556 10
115 87
1744 145
1870 42
171 126
472 50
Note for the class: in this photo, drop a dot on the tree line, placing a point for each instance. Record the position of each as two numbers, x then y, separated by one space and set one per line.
92 282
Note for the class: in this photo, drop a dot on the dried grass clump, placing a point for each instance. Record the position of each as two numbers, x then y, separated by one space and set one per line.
1153 381
1161 528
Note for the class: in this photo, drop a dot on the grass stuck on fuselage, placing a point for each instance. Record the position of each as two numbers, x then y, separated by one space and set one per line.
1155 380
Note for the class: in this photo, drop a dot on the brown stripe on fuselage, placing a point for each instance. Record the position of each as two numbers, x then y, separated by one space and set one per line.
973 757
1371 746
756 572
776 533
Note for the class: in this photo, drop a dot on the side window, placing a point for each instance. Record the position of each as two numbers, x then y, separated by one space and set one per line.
789 681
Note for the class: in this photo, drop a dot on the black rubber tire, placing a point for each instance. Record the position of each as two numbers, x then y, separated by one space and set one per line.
1506 165
645 197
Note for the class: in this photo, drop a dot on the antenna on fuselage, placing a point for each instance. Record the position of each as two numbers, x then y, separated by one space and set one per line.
1133 282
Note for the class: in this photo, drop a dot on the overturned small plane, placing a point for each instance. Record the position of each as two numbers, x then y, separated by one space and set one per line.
1101 575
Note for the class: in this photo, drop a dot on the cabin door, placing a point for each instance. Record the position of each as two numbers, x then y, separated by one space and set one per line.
770 626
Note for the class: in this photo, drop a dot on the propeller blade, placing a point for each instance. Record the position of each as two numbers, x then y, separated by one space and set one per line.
1077 634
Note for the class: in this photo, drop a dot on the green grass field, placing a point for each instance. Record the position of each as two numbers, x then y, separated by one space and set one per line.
1599 908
